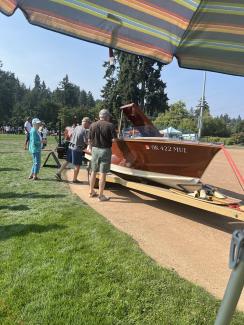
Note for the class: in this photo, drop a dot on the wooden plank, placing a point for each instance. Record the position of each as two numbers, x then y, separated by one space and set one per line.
183 199
227 201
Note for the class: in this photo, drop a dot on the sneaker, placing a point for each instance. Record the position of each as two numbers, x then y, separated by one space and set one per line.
93 194
58 177
77 182
103 198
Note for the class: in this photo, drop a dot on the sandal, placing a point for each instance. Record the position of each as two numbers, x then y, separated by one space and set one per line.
93 194
103 198
35 178
30 177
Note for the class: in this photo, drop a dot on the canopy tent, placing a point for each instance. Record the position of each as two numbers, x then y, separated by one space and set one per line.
171 132
201 34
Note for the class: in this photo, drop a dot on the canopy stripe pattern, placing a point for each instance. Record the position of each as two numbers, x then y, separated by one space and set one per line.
201 34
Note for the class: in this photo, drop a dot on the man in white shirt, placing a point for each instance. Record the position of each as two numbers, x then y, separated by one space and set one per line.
27 128
44 132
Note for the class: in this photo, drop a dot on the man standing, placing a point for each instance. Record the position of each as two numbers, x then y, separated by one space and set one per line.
100 139
78 143
27 128
43 131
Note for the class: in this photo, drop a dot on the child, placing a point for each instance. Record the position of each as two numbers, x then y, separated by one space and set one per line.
35 148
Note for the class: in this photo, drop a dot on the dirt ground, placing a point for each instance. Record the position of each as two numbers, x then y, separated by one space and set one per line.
193 242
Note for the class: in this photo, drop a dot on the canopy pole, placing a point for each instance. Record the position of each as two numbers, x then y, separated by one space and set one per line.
201 107
236 281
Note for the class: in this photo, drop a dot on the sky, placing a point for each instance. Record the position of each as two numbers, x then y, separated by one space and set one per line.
27 50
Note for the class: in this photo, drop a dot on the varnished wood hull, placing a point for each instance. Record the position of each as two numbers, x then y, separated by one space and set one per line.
159 155
163 161
167 162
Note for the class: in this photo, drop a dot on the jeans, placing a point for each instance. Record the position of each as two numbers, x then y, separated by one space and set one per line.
36 158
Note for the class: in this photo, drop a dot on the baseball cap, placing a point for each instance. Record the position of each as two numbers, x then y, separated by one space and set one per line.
86 119
36 121
104 113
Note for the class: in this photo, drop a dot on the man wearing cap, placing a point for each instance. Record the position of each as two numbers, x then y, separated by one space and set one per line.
27 128
78 143
101 134
35 148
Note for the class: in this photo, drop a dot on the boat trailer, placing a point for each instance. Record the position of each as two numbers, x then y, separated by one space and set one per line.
228 207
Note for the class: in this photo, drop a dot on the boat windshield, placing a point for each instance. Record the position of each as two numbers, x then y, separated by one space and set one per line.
140 131
137 124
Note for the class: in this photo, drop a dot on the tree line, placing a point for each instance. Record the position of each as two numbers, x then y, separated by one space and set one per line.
64 103
131 78
186 120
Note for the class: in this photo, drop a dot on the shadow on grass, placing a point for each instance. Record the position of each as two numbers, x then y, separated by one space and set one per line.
65 181
17 230
20 207
13 195
9 169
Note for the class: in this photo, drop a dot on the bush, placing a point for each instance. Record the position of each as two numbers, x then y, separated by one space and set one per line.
238 138
229 141
213 139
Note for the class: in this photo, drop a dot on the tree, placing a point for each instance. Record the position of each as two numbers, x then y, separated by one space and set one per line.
110 94
214 126
17 102
37 82
178 117
10 93
134 79
239 126
65 115
90 100
67 93
205 110
83 98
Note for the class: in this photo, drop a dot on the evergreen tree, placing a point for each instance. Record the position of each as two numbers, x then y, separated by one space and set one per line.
37 82
68 94
83 98
90 100
205 110
134 79
9 94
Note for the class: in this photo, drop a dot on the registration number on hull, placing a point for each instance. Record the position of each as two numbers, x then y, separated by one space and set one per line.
156 147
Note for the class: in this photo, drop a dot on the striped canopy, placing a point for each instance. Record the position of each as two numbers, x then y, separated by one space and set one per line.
201 34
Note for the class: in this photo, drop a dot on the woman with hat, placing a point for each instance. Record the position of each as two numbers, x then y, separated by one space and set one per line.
35 148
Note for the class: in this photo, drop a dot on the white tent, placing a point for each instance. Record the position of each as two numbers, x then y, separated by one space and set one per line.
171 132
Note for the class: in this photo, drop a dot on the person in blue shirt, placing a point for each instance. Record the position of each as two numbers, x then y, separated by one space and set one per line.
35 145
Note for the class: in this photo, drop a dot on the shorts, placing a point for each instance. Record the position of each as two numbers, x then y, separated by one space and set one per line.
75 157
101 159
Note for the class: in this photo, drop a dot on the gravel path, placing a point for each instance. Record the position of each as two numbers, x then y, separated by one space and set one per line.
192 242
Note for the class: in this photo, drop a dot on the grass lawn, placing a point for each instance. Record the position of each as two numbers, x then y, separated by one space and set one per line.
63 263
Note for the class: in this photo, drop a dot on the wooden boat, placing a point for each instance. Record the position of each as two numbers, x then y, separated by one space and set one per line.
153 158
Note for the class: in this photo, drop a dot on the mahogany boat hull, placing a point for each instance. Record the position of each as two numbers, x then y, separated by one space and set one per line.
168 162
